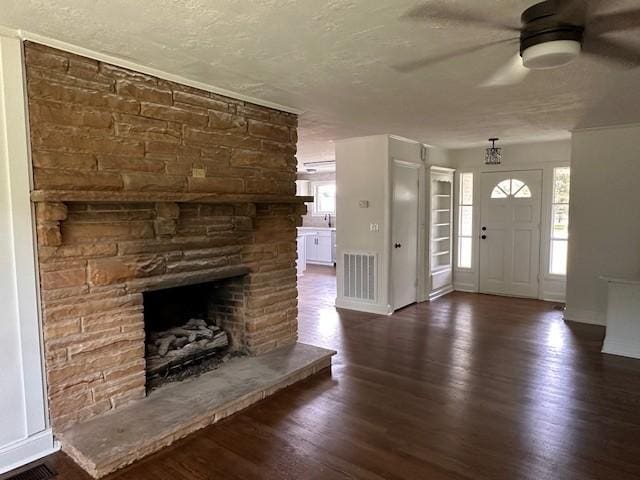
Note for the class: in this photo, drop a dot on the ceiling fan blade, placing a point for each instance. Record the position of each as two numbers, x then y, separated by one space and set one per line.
612 51
435 12
577 11
614 22
511 73
429 61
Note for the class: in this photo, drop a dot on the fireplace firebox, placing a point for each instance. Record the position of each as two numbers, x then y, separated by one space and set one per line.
191 329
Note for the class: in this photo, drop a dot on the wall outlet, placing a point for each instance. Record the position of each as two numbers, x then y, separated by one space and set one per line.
374 227
363 203
198 172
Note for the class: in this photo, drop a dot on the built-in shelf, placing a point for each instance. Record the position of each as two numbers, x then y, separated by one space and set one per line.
75 196
441 245
437 271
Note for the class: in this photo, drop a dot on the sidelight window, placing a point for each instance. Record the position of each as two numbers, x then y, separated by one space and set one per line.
560 221
465 221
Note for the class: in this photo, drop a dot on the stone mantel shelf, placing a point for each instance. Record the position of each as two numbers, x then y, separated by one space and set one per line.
82 196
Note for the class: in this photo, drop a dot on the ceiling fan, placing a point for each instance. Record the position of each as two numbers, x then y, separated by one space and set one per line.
552 34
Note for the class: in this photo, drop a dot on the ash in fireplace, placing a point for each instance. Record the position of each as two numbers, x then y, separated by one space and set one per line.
191 349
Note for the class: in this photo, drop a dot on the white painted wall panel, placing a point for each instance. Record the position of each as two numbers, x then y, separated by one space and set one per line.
24 435
604 221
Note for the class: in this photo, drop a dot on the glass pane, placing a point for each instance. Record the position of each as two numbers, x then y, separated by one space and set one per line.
559 257
466 189
516 185
560 219
524 192
505 186
561 184
465 249
326 198
498 193
466 221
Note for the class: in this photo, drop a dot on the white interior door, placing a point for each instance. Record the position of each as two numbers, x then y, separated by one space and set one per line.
404 234
510 233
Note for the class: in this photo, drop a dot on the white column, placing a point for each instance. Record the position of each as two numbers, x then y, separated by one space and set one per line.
24 432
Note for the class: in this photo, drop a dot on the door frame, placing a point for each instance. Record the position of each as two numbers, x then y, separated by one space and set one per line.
552 287
419 169
541 222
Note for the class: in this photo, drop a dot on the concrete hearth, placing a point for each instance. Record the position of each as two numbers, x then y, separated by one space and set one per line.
125 435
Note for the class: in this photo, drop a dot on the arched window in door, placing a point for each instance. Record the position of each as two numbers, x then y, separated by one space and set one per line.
511 187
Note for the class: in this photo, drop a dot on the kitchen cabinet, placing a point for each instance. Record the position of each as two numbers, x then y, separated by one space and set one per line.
319 247
301 263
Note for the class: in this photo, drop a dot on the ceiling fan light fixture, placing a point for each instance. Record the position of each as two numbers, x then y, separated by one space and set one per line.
551 54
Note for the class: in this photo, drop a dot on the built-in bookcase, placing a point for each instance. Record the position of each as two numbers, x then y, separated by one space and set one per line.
441 238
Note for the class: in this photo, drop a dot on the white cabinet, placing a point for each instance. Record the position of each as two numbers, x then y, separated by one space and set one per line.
301 263
334 246
319 247
303 188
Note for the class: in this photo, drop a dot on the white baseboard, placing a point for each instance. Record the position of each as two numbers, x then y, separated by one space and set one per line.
27 450
622 349
465 287
364 307
553 297
322 264
440 293
590 317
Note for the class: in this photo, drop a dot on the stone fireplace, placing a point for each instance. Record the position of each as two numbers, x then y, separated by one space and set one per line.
166 229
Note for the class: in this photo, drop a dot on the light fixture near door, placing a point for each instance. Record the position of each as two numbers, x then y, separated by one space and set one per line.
494 154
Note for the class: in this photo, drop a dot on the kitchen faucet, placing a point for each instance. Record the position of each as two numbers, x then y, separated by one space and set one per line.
328 217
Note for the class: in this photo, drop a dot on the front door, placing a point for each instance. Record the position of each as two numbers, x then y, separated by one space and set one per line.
404 234
510 233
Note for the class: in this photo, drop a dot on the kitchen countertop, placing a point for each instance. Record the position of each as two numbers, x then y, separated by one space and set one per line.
316 229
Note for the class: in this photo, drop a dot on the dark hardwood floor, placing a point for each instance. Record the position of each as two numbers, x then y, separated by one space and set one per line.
467 387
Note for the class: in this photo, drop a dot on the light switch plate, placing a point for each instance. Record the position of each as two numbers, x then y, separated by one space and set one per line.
363 203
198 172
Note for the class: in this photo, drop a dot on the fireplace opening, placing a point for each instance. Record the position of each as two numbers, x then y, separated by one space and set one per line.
190 329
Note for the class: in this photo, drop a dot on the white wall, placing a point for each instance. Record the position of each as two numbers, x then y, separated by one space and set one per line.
604 218
24 435
363 172
532 156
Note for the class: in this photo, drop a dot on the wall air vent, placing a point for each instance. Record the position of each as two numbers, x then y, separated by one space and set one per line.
360 276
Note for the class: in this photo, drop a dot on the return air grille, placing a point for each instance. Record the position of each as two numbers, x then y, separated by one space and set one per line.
39 472
360 276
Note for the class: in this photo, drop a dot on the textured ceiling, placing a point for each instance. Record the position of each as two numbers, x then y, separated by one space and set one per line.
333 59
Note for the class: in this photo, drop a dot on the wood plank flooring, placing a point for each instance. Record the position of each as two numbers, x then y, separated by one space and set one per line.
467 387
